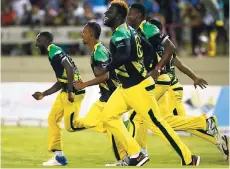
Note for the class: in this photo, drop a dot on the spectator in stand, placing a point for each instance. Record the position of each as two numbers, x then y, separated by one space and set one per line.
220 25
155 14
194 19
49 17
8 16
37 15
26 16
88 13
60 19
18 7
77 14
53 4
40 3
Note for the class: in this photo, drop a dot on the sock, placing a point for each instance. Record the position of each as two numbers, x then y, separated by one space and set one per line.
144 151
134 156
59 153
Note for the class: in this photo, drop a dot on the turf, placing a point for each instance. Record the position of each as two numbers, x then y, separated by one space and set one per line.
26 147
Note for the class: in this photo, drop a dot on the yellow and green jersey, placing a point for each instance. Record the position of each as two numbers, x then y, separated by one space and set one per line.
101 56
127 56
170 69
56 57
156 39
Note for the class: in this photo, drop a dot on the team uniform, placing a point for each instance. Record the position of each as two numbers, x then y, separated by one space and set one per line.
176 105
62 107
100 56
134 92
139 129
167 83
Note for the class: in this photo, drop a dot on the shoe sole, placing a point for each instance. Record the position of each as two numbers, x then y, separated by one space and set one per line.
52 165
142 162
111 165
198 161
226 157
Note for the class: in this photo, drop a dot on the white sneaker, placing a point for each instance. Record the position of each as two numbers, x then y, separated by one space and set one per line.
223 147
56 161
119 163
221 141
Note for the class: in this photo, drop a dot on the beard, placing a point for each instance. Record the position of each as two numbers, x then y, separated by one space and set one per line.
43 50
109 22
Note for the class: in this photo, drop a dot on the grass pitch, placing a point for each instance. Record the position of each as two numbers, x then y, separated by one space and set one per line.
26 147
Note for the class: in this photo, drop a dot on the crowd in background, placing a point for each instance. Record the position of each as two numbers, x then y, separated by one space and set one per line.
202 17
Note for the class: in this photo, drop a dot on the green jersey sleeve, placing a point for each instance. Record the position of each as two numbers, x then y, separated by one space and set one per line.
120 35
101 56
149 30
55 51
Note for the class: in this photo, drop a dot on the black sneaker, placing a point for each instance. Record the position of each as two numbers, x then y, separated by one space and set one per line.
139 161
195 160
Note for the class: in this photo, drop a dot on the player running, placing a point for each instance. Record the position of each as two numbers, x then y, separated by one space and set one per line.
127 57
136 18
176 95
107 82
68 102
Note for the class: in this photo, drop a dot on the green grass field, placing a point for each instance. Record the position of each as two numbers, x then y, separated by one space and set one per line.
26 147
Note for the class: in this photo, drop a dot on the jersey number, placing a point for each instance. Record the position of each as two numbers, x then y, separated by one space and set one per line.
139 46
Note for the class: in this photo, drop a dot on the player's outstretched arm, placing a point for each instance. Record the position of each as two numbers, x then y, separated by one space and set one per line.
96 81
39 95
186 70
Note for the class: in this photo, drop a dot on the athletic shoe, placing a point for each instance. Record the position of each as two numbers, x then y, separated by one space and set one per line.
139 161
195 160
119 163
223 147
56 161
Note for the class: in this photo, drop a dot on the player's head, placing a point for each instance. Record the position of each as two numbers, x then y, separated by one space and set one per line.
116 13
137 13
44 39
91 31
156 23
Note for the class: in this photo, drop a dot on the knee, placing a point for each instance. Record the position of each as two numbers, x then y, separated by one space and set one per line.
68 126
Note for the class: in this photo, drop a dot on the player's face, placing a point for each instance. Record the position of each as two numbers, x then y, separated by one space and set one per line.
85 34
133 14
40 41
110 16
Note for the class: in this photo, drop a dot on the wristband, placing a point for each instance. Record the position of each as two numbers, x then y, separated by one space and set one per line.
158 70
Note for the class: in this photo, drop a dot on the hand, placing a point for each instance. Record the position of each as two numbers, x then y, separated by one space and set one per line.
38 95
155 74
70 97
200 82
78 85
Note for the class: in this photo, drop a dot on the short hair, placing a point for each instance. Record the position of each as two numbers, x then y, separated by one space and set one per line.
121 6
156 23
140 7
48 35
96 29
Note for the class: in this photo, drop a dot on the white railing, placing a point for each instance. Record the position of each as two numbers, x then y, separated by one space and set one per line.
62 34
